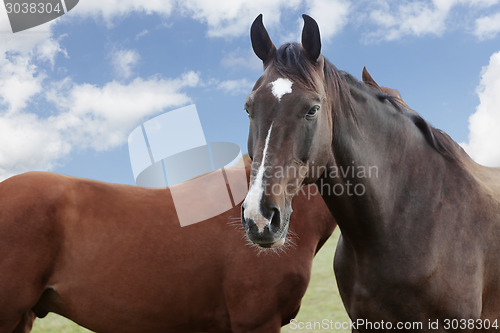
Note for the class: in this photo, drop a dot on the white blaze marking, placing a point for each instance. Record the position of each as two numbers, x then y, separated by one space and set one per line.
252 201
281 87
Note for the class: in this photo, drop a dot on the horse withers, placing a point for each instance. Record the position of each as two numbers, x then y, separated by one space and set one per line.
114 258
420 220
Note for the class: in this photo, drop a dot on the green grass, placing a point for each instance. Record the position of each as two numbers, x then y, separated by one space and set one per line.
321 302
56 324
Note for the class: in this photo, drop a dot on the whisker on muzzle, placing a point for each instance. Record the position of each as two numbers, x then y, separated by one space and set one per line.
290 240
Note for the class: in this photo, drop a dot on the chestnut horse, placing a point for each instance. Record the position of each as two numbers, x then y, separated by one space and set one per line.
420 220
114 258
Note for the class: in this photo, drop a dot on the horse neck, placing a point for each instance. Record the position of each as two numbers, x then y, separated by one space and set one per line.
309 206
394 175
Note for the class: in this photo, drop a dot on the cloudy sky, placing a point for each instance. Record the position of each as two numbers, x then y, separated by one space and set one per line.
73 89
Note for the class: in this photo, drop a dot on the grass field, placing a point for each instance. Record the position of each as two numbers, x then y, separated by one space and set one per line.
321 302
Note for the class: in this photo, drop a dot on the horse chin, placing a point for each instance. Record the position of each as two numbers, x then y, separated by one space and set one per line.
280 242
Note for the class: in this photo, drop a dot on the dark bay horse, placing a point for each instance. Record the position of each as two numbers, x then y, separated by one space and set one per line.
114 258
420 220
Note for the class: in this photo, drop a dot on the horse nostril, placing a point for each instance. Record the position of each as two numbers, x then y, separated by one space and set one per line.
250 226
248 223
243 220
275 220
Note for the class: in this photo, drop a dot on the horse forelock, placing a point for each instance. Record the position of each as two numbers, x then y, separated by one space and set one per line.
290 61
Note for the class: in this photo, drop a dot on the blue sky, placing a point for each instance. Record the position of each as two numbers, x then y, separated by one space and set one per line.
73 89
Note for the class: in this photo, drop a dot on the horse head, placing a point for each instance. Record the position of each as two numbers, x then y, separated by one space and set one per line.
291 87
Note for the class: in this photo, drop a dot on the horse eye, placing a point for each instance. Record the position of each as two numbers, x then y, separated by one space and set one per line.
313 112
248 112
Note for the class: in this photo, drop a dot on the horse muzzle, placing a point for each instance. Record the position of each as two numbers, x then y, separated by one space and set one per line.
269 230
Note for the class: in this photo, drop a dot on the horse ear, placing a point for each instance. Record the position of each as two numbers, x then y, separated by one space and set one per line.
367 79
311 41
261 42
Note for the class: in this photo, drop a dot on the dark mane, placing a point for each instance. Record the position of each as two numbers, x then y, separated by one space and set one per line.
438 139
291 62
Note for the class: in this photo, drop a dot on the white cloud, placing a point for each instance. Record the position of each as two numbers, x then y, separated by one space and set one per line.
19 82
102 117
414 18
85 116
484 124
331 15
124 61
224 18
110 10
23 41
242 59
393 20
236 87
141 34
28 143
20 79
487 27
396 20
233 18
48 49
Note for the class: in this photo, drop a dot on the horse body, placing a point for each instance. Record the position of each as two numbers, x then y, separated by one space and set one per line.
113 258
420 236
422 250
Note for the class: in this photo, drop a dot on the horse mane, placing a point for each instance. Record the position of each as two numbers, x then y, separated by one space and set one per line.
436 138
291 62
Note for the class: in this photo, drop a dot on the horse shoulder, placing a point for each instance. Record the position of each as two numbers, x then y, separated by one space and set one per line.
30 235
42 203
31 196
